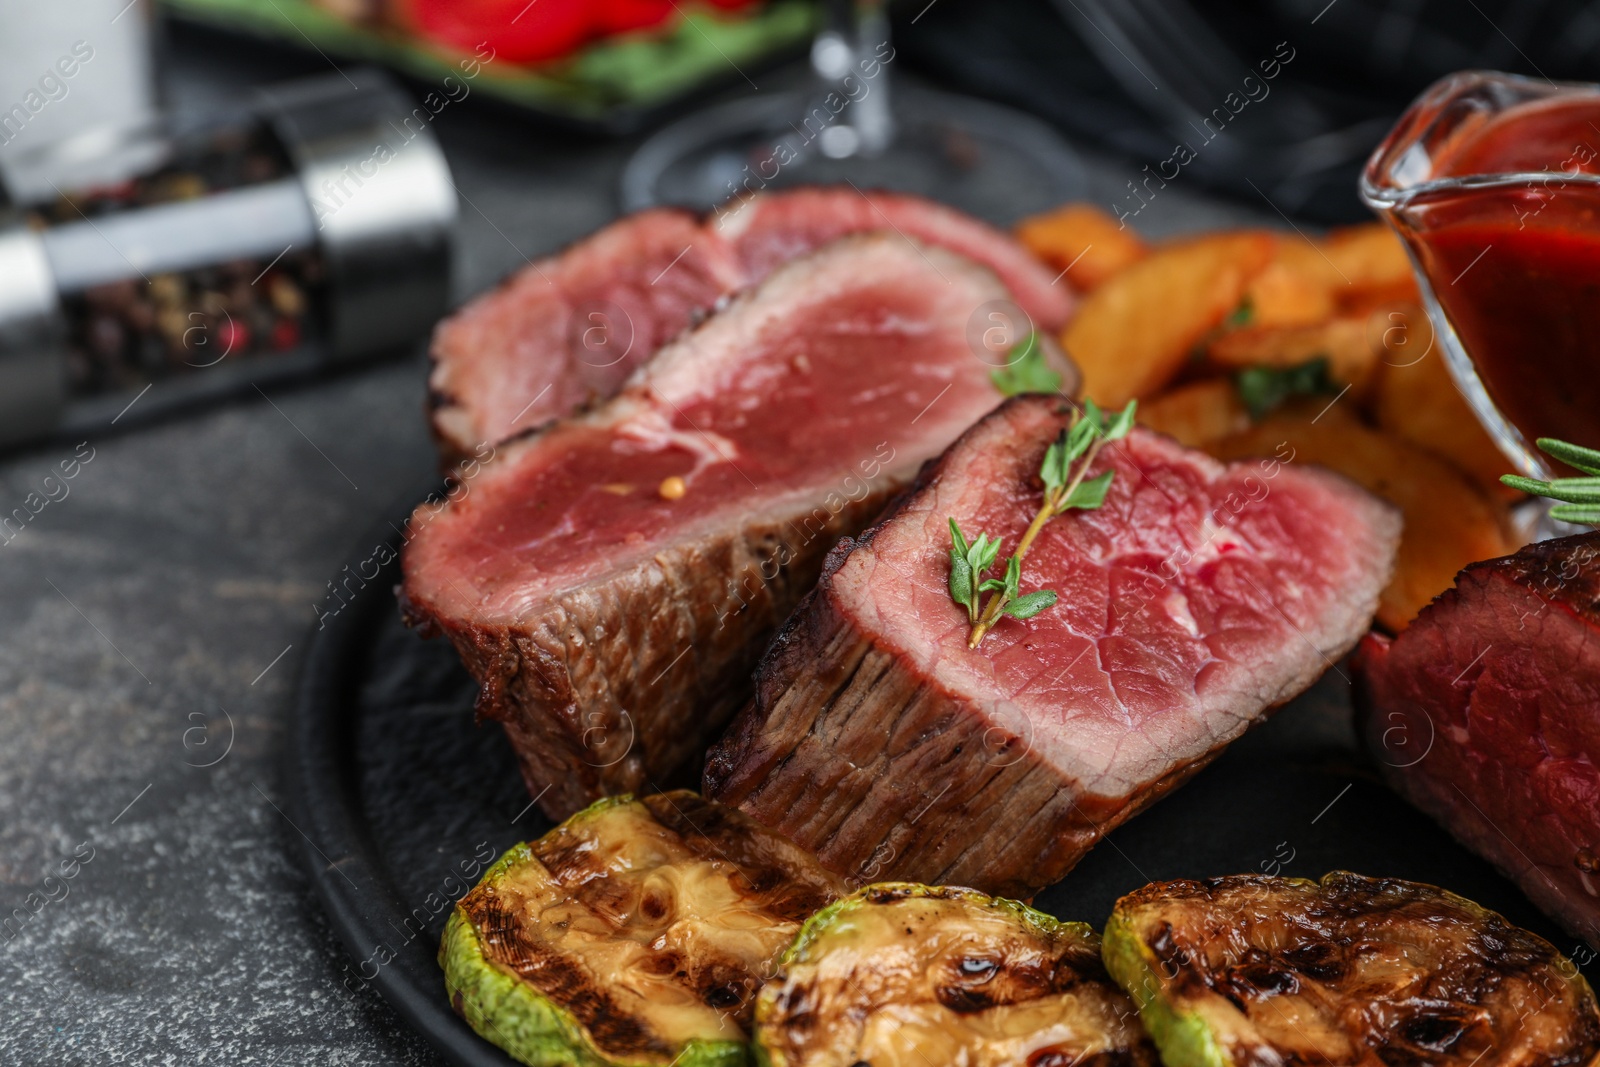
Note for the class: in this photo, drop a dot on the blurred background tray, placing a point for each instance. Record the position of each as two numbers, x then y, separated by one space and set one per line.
613 85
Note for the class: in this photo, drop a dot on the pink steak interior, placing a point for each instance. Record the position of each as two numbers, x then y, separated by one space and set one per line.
803 391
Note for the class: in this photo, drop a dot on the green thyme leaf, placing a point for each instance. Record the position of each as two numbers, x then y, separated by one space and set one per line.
961 581
975 553
1262 389
1026 607
1056 468
983 553
1079 438
1013 580
1089 494
1026 370
1122 423
1584 459
957 539
1094 416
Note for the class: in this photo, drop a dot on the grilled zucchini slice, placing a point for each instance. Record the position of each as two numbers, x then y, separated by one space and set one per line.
1248 970
906 975
635 933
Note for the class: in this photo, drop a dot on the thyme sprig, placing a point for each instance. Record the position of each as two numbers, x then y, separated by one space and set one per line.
1067 485
1581 495
1026 370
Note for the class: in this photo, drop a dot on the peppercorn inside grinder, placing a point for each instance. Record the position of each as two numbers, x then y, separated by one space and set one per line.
312 231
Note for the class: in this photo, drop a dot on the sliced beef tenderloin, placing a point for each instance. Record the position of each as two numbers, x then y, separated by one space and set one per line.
1197 598
569 329
771 228
612 579
1485 713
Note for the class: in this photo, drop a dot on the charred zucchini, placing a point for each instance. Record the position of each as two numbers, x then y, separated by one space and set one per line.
635 933
1250 970
905 975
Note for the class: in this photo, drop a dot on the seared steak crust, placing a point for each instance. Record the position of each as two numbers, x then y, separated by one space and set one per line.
879 741
596 691
849 752
1485 713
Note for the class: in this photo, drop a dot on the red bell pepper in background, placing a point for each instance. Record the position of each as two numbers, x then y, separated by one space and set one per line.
520 31
620 16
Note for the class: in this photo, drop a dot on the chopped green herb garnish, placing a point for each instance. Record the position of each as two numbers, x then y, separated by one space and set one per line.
1263 389
1026 370
1240 316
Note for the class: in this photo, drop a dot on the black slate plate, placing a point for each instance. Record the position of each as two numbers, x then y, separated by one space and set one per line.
403 801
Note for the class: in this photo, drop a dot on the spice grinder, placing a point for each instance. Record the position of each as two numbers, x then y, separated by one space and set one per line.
306 230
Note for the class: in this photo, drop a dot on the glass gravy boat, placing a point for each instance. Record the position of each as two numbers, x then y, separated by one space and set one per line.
1493 183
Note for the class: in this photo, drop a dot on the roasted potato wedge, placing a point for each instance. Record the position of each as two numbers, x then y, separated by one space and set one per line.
1134 332
1345 342
1417 399
1371 264
908 974
1285 295
1244 970
1083 241
1198 413
1306 258
1449 521
635 933
1356 265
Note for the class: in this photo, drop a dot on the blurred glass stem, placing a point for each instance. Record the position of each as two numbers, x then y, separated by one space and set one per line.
853 33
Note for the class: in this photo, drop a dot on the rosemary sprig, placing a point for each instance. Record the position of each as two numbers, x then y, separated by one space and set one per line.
1582 495
1064 471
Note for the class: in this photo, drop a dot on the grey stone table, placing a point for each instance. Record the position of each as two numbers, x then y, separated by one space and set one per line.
171 595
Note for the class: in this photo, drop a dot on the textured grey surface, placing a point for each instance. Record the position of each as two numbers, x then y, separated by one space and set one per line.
141 614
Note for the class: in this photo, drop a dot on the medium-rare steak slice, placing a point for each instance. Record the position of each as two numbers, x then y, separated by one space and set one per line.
570 328
1485 713
772 228
1195 599
610 581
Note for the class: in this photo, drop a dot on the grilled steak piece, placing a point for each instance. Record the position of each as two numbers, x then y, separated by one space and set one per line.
1194 600
569 329
772 228
1484 715
610 581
